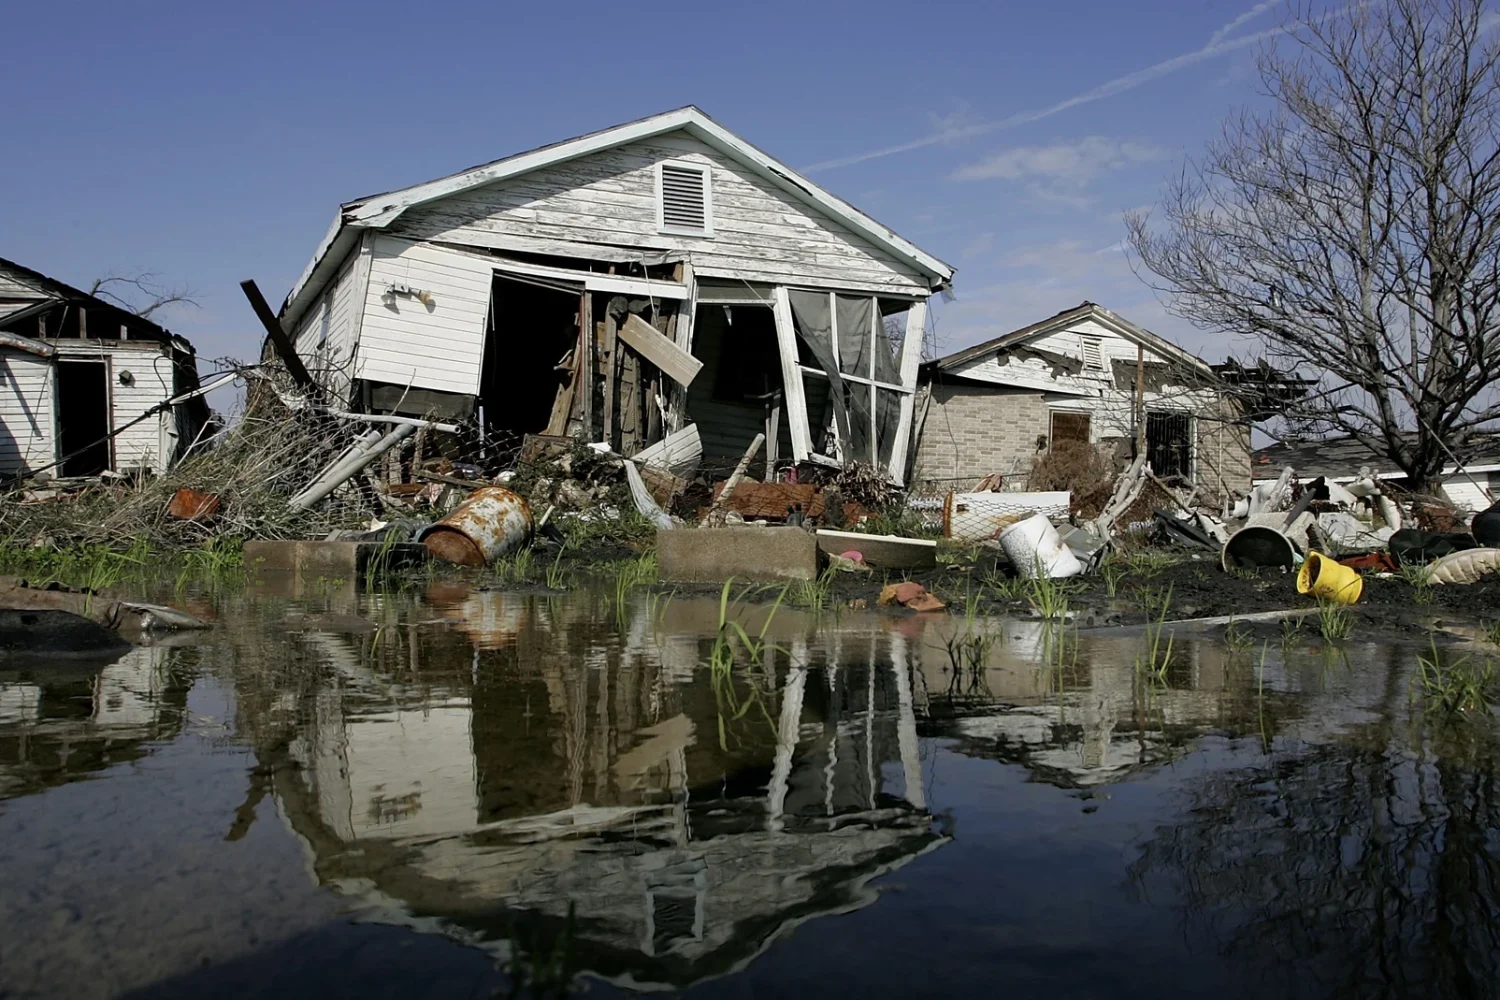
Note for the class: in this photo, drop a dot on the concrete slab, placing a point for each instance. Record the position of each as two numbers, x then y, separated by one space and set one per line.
711 555
881 551
317 560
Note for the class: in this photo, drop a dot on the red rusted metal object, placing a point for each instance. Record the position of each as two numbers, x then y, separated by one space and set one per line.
192 505
490 523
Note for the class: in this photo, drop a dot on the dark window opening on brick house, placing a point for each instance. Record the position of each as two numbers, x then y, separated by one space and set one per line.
1169 444
1070 427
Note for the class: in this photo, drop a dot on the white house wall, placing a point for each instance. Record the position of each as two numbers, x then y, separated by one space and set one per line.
26 441
404 342
144 445
327 333
759 234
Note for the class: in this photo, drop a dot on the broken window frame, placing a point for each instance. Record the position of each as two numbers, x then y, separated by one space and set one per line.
794 372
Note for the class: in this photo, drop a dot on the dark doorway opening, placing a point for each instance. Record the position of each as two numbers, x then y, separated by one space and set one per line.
1169 444
83 417
738 394
531 331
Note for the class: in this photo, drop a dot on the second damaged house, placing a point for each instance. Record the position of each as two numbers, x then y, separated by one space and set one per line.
1084 376
87 387
660 276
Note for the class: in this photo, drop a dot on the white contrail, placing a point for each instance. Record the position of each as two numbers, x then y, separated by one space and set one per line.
1118 85
1241 21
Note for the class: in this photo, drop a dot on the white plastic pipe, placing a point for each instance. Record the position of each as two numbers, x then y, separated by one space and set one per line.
349 467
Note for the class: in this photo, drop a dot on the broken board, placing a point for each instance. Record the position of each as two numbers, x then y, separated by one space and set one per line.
646 340
752 500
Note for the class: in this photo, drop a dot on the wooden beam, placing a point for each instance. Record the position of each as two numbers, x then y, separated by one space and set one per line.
791 377
1140 400
593 281
583 390
675 363
285 349
911 361
611 350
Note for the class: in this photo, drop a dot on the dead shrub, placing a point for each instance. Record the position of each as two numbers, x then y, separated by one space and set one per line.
1072 465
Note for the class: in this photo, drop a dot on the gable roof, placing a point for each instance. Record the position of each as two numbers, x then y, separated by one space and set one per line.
1063 320
24 293
380 210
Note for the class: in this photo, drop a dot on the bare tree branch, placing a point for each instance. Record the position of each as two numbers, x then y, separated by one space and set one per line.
1355 228
141 294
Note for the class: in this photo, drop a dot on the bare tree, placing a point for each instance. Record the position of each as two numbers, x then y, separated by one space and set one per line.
142 294
1354 227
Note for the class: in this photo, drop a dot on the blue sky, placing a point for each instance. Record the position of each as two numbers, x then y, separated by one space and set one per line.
209 143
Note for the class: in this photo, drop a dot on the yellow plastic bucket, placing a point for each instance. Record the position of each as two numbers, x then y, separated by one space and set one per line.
1329 580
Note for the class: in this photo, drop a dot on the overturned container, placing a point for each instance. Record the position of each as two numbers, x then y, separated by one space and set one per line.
1329 580
1035 549
1267 541
491 522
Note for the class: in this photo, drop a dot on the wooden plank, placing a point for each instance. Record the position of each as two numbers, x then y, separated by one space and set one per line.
631 430
584 362
611 351
678 452
283 343
675 363
773 434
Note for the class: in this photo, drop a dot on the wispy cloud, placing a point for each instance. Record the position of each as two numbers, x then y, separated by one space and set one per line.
1241 21
1074 163
1217 46
978 245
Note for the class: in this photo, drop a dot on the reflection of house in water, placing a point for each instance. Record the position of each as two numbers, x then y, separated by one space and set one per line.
1096 720
59 721
559 761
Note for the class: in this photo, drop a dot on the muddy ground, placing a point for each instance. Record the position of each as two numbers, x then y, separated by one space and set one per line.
1188 585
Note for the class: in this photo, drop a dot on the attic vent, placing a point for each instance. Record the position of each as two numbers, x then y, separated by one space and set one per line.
1093 353
685 203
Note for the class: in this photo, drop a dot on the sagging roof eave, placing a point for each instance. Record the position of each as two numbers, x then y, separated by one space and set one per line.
1063 320
380 210
335 245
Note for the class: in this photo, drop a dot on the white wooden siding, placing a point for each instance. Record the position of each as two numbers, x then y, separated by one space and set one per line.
404 342
18 286
609 197
26 440
147 444
329 358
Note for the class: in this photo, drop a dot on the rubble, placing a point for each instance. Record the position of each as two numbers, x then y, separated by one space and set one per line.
910 595
1465 567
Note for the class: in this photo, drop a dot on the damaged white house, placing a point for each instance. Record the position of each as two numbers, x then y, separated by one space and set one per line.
1085 375
85 385
622 286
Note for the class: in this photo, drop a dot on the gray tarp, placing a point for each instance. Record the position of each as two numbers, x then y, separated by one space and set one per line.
814 322
859 353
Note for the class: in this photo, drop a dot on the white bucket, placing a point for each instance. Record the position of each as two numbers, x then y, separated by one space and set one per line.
1035 549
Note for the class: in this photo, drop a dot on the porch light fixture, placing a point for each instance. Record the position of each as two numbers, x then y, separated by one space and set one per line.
408 292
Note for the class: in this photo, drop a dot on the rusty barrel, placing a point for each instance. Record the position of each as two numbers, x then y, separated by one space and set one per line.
491 522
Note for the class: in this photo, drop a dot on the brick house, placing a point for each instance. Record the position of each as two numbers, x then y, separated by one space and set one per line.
1080 375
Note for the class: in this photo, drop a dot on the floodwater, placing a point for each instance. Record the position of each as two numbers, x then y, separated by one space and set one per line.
339 795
